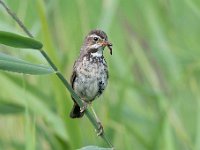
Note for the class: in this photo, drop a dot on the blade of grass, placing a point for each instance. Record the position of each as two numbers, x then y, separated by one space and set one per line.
94 148
10 108
18 41
9 63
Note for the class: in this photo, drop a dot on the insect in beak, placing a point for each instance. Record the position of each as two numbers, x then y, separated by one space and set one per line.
108 44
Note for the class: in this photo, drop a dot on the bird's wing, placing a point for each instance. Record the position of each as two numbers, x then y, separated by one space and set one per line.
73 76
72 79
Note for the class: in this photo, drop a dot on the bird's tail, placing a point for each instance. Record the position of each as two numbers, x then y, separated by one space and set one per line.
76 112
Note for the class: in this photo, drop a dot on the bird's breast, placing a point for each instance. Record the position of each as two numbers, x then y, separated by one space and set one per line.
91 78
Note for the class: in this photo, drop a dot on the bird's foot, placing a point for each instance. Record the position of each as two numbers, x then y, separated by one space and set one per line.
100 130
84 107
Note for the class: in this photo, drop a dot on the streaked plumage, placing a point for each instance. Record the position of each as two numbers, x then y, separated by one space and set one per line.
90 73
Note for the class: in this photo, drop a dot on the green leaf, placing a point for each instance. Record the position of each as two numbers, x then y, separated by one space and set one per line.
94 148
10 63
18 41
10 108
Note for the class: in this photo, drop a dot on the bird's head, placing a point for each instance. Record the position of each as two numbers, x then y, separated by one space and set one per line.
95 42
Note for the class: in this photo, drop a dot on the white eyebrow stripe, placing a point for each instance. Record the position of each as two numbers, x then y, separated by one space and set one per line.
94 35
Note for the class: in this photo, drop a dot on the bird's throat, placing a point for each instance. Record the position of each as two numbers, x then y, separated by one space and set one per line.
98 53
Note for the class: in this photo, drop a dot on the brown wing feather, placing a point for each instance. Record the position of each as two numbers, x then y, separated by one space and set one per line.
75 112
72 79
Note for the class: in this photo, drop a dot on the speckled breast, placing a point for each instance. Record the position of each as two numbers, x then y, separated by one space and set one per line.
92 76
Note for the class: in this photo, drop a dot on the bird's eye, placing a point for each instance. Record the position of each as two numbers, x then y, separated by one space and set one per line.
96 38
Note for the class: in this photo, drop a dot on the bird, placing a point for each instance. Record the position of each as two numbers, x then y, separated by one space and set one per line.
90 71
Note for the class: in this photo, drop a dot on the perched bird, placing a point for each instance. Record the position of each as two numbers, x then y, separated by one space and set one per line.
90 72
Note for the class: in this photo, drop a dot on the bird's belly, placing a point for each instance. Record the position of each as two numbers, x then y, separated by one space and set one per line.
87 89
90 82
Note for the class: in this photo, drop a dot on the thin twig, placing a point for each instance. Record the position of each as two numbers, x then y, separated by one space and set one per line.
59 75
14 16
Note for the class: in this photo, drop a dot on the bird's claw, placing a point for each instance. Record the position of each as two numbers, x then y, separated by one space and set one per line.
100 130
83 108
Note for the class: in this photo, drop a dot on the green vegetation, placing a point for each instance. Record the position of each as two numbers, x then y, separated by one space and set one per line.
152 101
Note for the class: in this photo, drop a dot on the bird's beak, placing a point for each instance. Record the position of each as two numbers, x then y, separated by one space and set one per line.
108 44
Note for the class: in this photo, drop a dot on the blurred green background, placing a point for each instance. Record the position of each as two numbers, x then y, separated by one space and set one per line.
152 101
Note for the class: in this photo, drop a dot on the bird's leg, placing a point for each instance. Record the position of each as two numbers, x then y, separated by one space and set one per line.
100 126
84 107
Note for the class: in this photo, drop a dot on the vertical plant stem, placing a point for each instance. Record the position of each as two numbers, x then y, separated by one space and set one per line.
59 75
14 16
